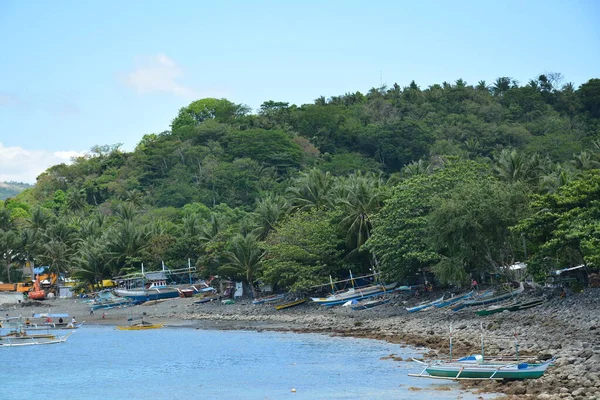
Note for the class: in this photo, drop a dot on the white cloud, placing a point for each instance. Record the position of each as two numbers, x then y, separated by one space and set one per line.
22 165
158 73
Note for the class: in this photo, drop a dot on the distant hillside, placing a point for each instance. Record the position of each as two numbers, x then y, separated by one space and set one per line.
10 189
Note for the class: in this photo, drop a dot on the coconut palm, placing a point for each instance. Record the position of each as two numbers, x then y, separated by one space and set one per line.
9 245
269 211
512 166
363 196
311 190
244 260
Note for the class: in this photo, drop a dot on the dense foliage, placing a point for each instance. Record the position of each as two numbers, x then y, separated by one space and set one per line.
453 180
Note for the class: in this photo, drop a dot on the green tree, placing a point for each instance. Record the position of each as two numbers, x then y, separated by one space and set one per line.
400 228
303 250
469 228
244 260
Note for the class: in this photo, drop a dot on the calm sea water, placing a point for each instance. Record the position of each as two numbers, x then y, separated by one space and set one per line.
100 362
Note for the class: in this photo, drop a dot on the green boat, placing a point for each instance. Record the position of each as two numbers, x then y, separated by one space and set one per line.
473 368
514 306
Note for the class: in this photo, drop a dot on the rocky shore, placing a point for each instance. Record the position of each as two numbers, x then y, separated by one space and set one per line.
567 328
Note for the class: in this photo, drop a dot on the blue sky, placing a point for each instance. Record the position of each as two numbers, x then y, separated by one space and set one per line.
74 74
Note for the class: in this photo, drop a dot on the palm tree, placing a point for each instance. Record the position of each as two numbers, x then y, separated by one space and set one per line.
127 240
244 260
58 255
9 244
269 211
512 166
559 177
585 161
91 261
364 196
311 190
416 168
501 85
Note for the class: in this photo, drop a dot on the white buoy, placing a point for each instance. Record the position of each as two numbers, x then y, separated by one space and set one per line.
293 390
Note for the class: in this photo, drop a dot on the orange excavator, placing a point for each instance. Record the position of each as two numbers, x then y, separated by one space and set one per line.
37 293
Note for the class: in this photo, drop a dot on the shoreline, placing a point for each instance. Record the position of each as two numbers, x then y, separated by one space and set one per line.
567 328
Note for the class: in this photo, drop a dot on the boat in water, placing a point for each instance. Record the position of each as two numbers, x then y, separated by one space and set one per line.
140 326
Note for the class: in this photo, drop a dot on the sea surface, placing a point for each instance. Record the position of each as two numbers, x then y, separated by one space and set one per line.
100 362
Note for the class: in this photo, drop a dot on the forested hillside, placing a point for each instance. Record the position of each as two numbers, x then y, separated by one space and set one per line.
10 189
455 179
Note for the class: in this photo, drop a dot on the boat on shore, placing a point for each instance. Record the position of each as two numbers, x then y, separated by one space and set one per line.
353 294
290 304
425 305
474 368
512 306
454 300
496 298
363 305
268 299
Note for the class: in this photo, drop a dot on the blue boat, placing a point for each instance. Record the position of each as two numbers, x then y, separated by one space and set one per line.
454 300
424 305
481 301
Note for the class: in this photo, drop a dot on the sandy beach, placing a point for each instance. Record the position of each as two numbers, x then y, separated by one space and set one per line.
567 328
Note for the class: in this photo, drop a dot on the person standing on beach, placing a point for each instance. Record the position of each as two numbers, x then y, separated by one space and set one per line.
473 284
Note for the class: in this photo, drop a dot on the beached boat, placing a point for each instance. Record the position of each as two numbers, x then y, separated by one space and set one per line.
424 305
454 300
473 368
496 298
363 305
353 294
290 304
512 306
268 299
139 326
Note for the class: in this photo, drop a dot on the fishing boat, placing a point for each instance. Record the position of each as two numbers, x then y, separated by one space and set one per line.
489 300
472 369
512 306
363 305
424 305
353 294
290 304
52 326
27 341
139 326
454 300
268 299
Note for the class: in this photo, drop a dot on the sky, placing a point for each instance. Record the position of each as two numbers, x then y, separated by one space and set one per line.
75 74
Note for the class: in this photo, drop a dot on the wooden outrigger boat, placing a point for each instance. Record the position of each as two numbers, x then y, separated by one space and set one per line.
28 340
268 299
140 326
474 367
454 300
424 305
363 305
513 306
290 304
489 300
353 294
467 369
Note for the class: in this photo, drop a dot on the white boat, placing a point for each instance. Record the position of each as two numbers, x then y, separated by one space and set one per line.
353 293
32 340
